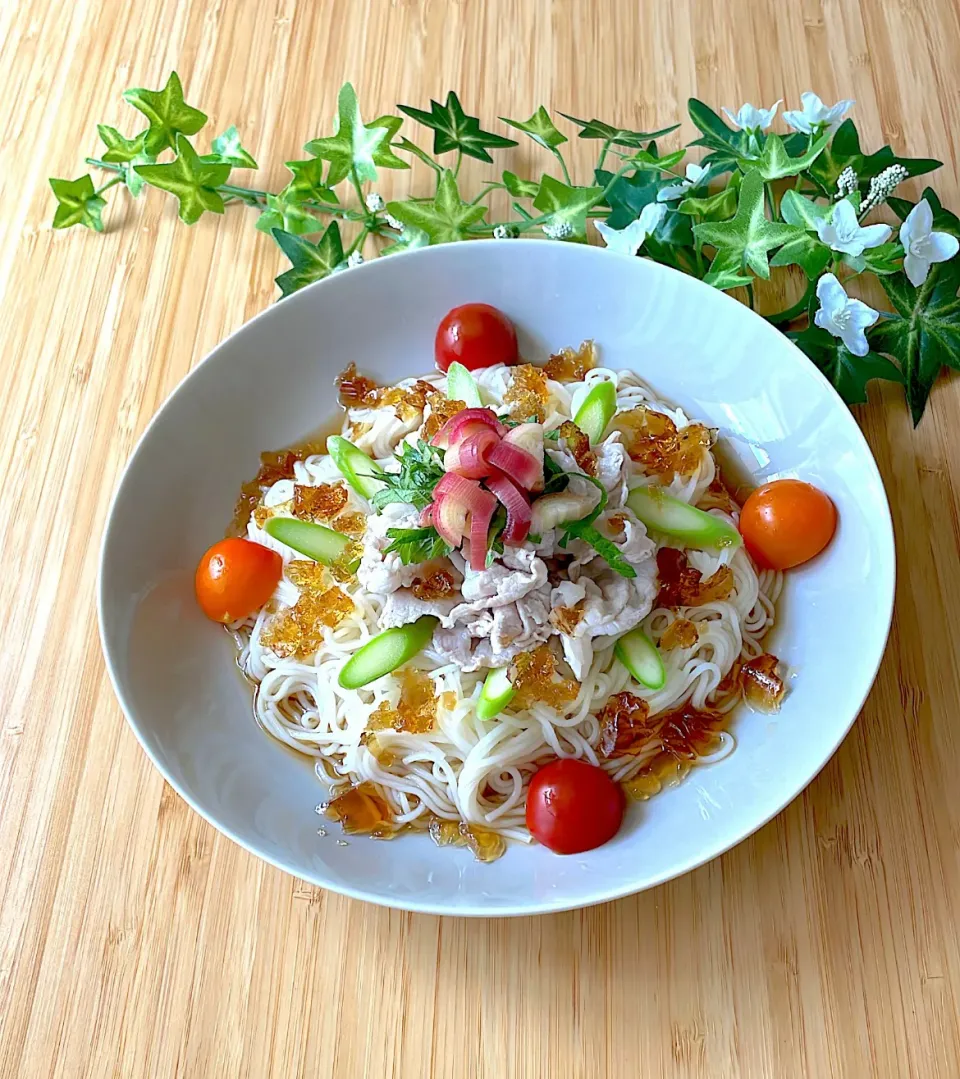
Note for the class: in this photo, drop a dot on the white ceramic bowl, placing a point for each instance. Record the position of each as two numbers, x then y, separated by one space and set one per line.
271 383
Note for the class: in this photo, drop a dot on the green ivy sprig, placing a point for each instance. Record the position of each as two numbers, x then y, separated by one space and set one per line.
757 201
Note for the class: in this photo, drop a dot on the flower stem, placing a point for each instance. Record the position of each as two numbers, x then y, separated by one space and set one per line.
358 242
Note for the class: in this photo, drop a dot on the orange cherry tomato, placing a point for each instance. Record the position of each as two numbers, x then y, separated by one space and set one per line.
786 523
235 577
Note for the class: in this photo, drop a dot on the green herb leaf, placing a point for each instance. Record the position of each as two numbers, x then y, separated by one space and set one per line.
849 374
607 550
307 184
807 252
444 218
943 219
646 160
749 235
618 136
881 260
310 262
421 469
924 336
168 113
774 163
520 189
192 181
540 128
227 150
454 130
566 204
355 145
77 203
415 545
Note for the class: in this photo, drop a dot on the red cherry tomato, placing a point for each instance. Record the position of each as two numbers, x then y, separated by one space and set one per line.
573 806
476 335
235 577
786 523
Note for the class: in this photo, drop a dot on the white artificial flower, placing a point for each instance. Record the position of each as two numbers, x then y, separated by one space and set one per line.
695 173
393 222
843 232
814 117
374 202
843 317
922 247
749 118
354 260
629 240
558 230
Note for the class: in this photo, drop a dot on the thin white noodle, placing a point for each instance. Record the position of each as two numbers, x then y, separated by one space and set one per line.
475 770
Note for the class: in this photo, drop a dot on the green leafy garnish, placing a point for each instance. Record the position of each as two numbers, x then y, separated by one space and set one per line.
454 130
415 545
585 530
421 469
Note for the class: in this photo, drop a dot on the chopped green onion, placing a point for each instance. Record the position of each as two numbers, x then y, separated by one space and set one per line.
668 515
597 411
462 386
318 542
639 655
496 694
362 473
386 652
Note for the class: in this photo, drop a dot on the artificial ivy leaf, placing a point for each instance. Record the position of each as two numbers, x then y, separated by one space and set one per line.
627 195
454 130
444 218
192 181
127 153
227 150
519 188
943 219
307 184
726 272
309 262
619 136
645 159
807 252
405 144
540 128
119 148
881 260
674 230
774 163
355 145
566 205
749 235
924 335
847 373
288 215
77 203
718 207
409 240
714 133
845 150
798 210
168 113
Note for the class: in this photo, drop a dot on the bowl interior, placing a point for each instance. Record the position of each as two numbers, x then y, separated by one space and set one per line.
271 383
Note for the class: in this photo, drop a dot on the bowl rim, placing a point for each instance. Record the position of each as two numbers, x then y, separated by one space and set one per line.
887 588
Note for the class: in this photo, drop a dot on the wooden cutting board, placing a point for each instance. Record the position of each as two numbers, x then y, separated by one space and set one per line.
134 940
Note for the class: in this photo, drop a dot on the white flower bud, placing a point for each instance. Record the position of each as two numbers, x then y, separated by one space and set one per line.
847 182
393 222
559 230
354 260
882 186
374 202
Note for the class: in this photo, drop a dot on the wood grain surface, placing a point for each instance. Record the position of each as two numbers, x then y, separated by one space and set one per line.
134 940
